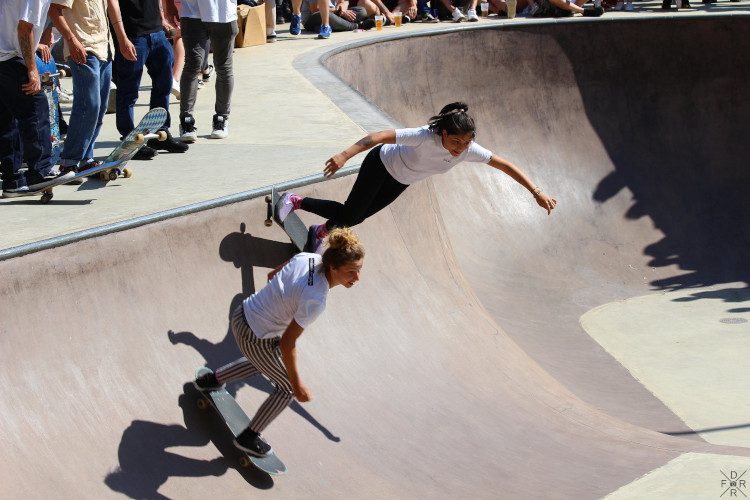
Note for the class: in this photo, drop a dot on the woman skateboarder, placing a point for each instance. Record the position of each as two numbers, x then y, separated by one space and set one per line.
267 324
403 157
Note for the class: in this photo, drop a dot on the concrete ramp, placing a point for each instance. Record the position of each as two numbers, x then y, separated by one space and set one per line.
457 367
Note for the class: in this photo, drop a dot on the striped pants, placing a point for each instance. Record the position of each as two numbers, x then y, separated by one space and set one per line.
262 357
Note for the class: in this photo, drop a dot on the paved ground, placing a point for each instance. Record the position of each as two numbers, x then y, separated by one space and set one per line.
489 351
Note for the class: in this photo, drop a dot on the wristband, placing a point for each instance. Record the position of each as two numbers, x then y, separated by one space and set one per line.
536 192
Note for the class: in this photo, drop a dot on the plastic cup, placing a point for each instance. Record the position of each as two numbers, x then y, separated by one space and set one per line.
511 8
397 19
485 9
379 20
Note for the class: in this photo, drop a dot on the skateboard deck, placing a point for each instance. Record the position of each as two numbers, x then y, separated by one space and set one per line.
237 421
147 128
48 74
46 192
292 225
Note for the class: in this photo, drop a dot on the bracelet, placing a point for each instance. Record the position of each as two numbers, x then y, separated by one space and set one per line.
116 22
536 192
71 37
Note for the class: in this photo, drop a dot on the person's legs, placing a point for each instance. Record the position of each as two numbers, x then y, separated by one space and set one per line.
373 190
194 39
222 37
84 115
129 81
105 77
159 65
24 129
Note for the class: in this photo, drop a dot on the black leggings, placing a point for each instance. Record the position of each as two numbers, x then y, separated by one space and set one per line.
373 190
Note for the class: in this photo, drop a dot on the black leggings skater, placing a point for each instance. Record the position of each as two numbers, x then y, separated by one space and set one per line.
373 190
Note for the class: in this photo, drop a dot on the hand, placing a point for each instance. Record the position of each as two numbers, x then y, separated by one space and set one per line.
349 15
546 202
301 393
333 164
411 12
389 17
77 52
127 49
44 53
34 85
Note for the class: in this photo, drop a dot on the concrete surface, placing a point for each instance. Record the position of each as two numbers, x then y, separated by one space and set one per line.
458 366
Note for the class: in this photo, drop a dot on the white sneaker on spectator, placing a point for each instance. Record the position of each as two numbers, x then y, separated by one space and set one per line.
188 133
63 95
176 89
221 127
471 14
458 16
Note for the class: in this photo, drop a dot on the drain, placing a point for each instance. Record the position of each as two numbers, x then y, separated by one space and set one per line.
733 321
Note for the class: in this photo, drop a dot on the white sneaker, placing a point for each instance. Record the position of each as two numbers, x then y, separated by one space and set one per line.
188 132
472 15
176 89
458 16
221 127
286 207
63 95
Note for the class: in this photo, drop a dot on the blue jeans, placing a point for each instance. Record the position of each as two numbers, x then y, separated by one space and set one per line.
24 128
90 94
155 53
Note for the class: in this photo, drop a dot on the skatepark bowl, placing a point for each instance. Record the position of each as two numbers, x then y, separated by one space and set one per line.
489 350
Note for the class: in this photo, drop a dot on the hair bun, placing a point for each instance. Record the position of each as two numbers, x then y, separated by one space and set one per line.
341 238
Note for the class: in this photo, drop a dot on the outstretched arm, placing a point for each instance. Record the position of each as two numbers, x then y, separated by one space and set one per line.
289 357
336 162
542 199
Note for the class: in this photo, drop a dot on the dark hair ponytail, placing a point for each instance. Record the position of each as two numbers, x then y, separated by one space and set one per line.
454 119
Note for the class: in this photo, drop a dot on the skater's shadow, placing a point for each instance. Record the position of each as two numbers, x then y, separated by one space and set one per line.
245 252
145 463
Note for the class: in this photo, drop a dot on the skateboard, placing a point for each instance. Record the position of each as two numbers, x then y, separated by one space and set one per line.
237 421
48 74
292 225
148 128
46 192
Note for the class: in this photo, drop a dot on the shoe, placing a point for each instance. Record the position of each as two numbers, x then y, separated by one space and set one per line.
629 6
287 206
112 100
53 177
207 382
535 8
620 5
221 127
325 32
145 153
666 5
458 16
592 11
176 89
63 95
15 192
295 25
206 76
252 443
472 16
367 24
405 19
188 133
170 144
428 18
271 38
88 166
315 240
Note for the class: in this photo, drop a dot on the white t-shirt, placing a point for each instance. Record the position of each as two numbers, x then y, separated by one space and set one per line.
210 11
419 153
297 292
12 11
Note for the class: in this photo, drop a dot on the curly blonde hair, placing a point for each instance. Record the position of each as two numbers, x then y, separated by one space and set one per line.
343 247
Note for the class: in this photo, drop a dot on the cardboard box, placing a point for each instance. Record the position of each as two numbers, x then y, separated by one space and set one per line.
252 24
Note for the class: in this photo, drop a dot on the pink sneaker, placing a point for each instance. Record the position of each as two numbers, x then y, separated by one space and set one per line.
286 206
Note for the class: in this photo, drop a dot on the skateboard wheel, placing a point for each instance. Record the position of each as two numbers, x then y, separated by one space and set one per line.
127 172
268 199
244 462
46 197
103 176
162 136
138 138
113 175
202 404
267 223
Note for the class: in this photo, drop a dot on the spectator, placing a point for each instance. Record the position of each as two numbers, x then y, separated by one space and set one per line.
24 114
566 8
88 51
172 14
140 27
202 22
387 8
332 15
